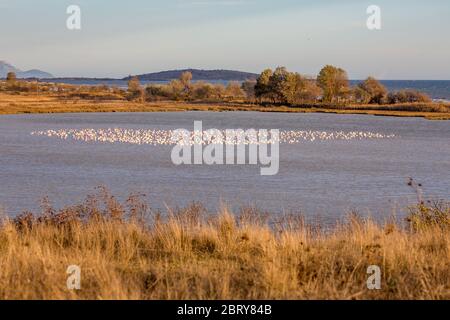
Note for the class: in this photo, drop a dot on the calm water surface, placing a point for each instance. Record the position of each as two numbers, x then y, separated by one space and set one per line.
322 178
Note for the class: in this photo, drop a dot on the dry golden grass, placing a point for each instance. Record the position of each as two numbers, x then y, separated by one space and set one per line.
54 103
194 255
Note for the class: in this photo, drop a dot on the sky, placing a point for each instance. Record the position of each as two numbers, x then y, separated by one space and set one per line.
119 38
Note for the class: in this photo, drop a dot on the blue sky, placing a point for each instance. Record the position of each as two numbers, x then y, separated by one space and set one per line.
119 38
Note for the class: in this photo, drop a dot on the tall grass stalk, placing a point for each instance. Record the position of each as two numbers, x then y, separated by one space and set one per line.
126 251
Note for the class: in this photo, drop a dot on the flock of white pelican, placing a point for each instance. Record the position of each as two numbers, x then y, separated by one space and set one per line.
166 137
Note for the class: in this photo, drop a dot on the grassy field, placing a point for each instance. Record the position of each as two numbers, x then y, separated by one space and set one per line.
52 103
192 254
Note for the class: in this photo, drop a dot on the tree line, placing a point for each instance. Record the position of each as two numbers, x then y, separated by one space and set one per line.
184 89
331 86
279 86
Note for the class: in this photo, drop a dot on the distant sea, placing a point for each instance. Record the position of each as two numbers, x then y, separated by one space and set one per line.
436 89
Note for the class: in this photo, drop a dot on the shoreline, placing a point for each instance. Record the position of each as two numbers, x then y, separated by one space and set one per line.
397 114
47 104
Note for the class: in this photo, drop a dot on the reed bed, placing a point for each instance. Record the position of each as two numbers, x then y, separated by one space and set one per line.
127 251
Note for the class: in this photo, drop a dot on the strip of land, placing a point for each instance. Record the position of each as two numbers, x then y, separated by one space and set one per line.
26 103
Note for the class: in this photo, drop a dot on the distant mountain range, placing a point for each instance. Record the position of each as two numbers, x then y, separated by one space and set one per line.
197 75
206 75
6 67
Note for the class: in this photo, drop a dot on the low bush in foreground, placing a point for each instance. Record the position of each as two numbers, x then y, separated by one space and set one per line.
126 251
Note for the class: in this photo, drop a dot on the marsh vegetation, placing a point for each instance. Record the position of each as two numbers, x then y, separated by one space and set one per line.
127 251
273 91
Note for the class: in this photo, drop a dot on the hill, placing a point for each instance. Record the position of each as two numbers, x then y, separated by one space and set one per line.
207 75
6 67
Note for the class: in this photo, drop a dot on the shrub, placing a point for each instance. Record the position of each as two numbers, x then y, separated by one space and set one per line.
234 91
429 215
371 91
248 87
203 91
407 96
135 90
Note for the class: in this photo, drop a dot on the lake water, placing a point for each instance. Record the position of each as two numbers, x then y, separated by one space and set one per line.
323 178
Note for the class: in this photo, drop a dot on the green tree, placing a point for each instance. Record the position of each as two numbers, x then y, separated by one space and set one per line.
334 83
376 92
277 84
291 86
262 89
298 89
